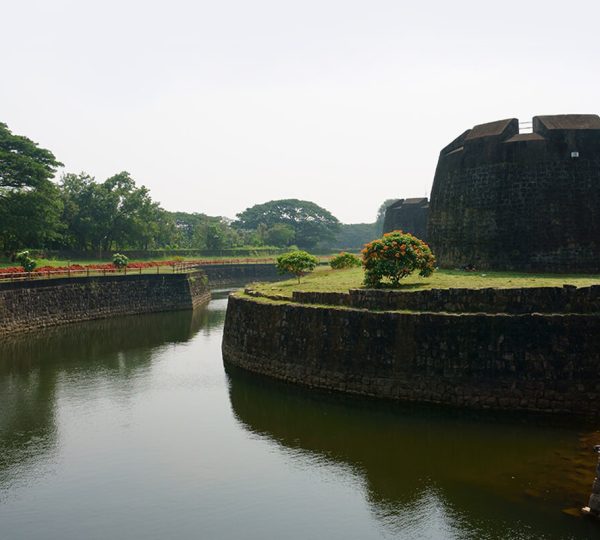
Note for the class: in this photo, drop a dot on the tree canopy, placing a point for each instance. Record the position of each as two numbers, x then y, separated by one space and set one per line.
113 213
23 164
310 222
29 204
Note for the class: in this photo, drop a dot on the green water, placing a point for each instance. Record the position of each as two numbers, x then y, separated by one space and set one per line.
130 428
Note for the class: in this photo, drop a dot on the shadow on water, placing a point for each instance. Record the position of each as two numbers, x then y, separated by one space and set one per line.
479 475
32 366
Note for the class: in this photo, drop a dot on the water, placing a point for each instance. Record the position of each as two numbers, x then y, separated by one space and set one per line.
130 428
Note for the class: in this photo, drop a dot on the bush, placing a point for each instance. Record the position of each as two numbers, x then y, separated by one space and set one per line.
120 261
394 256
344 260
26 261
296 262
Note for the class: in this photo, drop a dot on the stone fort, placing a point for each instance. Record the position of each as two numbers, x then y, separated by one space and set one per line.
504 199
408 215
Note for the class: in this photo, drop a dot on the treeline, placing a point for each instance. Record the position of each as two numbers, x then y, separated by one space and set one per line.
84 214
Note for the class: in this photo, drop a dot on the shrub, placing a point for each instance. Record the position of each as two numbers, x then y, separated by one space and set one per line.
120 261
394 256
344 260
296 262
26 261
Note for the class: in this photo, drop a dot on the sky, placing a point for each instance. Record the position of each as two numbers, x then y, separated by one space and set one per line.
218 105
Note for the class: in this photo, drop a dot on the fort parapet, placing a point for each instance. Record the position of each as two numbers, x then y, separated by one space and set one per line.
408 215
502 199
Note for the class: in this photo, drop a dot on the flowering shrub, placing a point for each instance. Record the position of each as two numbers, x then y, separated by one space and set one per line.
344 260
120 261
297 263
394 256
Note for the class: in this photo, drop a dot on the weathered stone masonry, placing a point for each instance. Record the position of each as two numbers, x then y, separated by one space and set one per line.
502 199
566 299
534 362
32 305
222 275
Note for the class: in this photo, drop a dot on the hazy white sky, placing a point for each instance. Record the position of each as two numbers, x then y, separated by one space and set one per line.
218 105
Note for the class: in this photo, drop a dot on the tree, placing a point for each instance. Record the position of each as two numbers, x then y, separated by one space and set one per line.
310 222
115 212
395 256
199 231
23 164
30 218
297 263
280 235
29 203
351 237
344 260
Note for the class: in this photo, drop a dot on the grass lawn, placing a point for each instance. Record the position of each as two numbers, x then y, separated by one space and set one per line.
324 279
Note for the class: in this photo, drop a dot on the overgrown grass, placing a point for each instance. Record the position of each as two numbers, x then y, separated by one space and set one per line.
324 279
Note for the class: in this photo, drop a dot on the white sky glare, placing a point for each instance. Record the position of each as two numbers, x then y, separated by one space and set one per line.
216 106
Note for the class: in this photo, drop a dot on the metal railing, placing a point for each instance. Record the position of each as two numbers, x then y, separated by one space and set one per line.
526 127
177 268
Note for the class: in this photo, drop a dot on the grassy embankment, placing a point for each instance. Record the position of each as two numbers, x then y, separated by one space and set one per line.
323 279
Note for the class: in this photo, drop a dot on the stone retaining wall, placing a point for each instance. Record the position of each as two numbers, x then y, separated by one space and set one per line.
222 275
534 362
31 305
567 299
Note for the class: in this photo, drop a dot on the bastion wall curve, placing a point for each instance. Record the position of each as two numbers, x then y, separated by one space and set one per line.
540 362
30 305
507 200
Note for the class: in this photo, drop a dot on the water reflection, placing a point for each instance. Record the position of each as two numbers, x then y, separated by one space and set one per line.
431 473
128 428
108 354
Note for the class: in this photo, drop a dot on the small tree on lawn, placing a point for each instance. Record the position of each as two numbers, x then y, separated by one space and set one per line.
120 261
26 261
296 262
344 260
394 256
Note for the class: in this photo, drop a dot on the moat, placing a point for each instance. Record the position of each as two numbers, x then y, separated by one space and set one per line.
131 428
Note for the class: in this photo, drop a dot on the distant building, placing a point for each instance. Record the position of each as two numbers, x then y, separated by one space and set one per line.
505 199
408 215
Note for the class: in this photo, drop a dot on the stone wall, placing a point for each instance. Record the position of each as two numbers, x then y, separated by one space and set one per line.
408 215
534 362
222 275
31 305
566 299
520 201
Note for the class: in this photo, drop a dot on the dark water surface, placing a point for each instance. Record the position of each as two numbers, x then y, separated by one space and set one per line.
130 428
